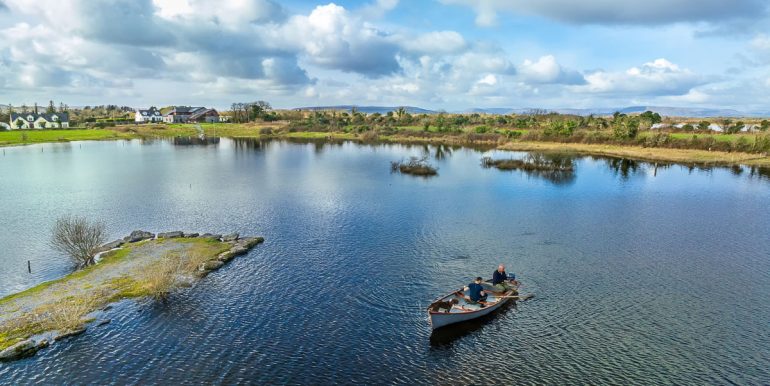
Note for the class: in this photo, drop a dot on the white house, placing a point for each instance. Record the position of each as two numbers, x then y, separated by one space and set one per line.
40 121
150 115
715 127
750 128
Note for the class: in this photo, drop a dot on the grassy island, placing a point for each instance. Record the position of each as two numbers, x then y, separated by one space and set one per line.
29 320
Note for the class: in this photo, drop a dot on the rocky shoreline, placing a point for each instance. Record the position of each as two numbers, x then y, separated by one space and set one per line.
229 246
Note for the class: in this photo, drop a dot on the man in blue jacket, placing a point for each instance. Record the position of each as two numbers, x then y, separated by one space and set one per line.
476 292
502 281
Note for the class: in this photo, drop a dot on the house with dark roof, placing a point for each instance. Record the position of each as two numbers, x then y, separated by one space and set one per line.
39 121
184 114
150 115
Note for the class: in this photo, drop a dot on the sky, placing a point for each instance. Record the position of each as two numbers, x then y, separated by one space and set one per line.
437 54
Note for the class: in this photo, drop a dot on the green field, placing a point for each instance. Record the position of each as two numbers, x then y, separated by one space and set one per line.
20 137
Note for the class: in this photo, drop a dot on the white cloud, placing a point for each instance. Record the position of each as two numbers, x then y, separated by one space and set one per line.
548 70
659 77
438 42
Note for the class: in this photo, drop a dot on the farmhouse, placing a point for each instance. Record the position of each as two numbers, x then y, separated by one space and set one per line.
150 115
39 121
183 114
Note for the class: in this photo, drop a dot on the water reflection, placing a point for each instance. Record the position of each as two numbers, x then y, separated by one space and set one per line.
556 168
195 141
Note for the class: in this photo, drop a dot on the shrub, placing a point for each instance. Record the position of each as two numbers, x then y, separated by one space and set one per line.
370 136
266 131
415 165
162 276
78 238
481 129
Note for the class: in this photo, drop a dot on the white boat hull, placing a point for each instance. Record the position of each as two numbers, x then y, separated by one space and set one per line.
441 319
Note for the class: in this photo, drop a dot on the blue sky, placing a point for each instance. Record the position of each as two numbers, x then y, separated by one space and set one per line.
439 54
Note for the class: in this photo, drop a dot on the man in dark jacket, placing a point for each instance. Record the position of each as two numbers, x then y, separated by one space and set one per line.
502 281
476 292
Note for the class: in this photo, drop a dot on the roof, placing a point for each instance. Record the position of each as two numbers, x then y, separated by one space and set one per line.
200 113
184 110
150 111
63 117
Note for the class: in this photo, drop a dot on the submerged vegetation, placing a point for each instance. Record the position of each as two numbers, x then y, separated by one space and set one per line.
533 161
556 168
417 166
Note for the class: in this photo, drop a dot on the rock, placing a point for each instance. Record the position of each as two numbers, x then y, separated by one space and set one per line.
23 349
230 237
191 235
225 256
69 333
112 245
238 250
170 235
107 308
250 242
136 236
211 236
103 322
211 265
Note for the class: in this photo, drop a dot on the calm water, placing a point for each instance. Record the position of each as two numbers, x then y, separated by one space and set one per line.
641 275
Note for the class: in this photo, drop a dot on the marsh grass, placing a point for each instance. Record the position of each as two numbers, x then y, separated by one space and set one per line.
533 162
417 166
161 277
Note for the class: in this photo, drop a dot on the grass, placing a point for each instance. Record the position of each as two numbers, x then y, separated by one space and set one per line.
414 166
64 303
21 137
645 154
502 138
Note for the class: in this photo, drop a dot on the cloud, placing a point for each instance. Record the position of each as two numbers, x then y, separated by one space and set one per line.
437 42
657 78
378 8
547 70
638 12
3 7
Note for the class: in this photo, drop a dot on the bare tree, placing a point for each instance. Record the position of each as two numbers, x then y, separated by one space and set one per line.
78 238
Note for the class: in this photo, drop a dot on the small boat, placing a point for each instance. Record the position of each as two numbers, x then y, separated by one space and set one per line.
464 310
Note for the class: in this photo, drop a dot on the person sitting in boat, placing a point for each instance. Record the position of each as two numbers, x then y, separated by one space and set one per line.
476 293
502 281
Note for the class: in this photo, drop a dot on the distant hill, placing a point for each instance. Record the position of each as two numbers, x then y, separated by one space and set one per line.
369 109
692 112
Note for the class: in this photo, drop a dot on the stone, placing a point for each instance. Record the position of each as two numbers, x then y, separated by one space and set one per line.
250 242
23 349
211 265
191 235
225 256
170 235
230 237
211 236
103 322
139 235
69 333
238 250
113 245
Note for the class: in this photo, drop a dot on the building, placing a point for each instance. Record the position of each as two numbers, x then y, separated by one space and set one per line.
204 116
150 115
183 114
39 121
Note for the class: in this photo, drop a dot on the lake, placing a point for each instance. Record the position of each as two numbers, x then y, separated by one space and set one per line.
642 274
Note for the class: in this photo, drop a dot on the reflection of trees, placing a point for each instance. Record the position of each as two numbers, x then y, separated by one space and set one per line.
195 141
253 144
758 172
439 152
623 167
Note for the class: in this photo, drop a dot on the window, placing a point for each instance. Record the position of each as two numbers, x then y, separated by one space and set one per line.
30 118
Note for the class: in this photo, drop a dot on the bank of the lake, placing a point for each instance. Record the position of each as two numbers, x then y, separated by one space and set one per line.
277 130
140 265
